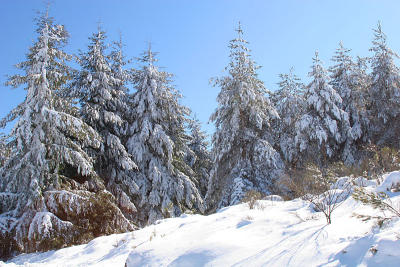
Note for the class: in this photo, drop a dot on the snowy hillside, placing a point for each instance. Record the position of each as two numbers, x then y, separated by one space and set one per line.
276 233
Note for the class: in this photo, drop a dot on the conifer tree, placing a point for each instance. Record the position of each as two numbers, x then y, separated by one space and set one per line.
243 157
384 92
100 87
121 76
49 191
289 102
199 158
323 126
158 146
347 80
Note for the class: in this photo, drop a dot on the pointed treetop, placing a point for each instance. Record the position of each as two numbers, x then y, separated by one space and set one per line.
119 44
317 68
380 36
316 59
379 26
43 19
47 8
379 30
341 51
316 55
120 40
239 29
99 22
148 56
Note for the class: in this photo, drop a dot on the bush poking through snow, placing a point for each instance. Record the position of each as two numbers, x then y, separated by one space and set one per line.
328 201
380 221
153 235
373 250
251 198
320 189
379 161
303 181
378 200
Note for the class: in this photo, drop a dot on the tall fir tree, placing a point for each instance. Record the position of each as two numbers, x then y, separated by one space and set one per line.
121 75
289 102
324 125
384 93
100 87
158 144
199 158
348 81
49 192
243 156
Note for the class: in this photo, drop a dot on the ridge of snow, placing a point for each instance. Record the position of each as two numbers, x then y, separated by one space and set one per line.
277 233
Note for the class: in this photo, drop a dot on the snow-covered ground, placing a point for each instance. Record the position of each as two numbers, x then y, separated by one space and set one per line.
277 233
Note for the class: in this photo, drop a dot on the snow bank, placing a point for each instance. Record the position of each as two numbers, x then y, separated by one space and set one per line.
279 233
273 198
389 180
343 182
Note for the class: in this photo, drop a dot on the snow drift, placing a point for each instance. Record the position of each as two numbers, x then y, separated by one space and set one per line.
277 233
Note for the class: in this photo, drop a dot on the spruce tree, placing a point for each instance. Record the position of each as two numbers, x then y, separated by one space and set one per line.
49 190
199 158
347 80
289 102
243 156
384 93
158 144
324 125
100 87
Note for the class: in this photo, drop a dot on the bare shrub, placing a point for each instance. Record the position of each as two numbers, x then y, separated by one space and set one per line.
248 218
319 188
118 243
153 235
301 181
376 161
251 198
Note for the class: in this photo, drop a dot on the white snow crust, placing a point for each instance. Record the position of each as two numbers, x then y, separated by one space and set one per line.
277 233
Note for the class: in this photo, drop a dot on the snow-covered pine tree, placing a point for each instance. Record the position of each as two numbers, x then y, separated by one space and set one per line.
243 157
289 102
100 87
50 196
200 157
157 146
384 93
363 83
324 125
347 80
121 75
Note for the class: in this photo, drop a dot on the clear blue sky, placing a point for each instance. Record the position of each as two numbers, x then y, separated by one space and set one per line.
192 36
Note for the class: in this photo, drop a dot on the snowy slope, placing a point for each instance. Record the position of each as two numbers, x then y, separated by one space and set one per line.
277 233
